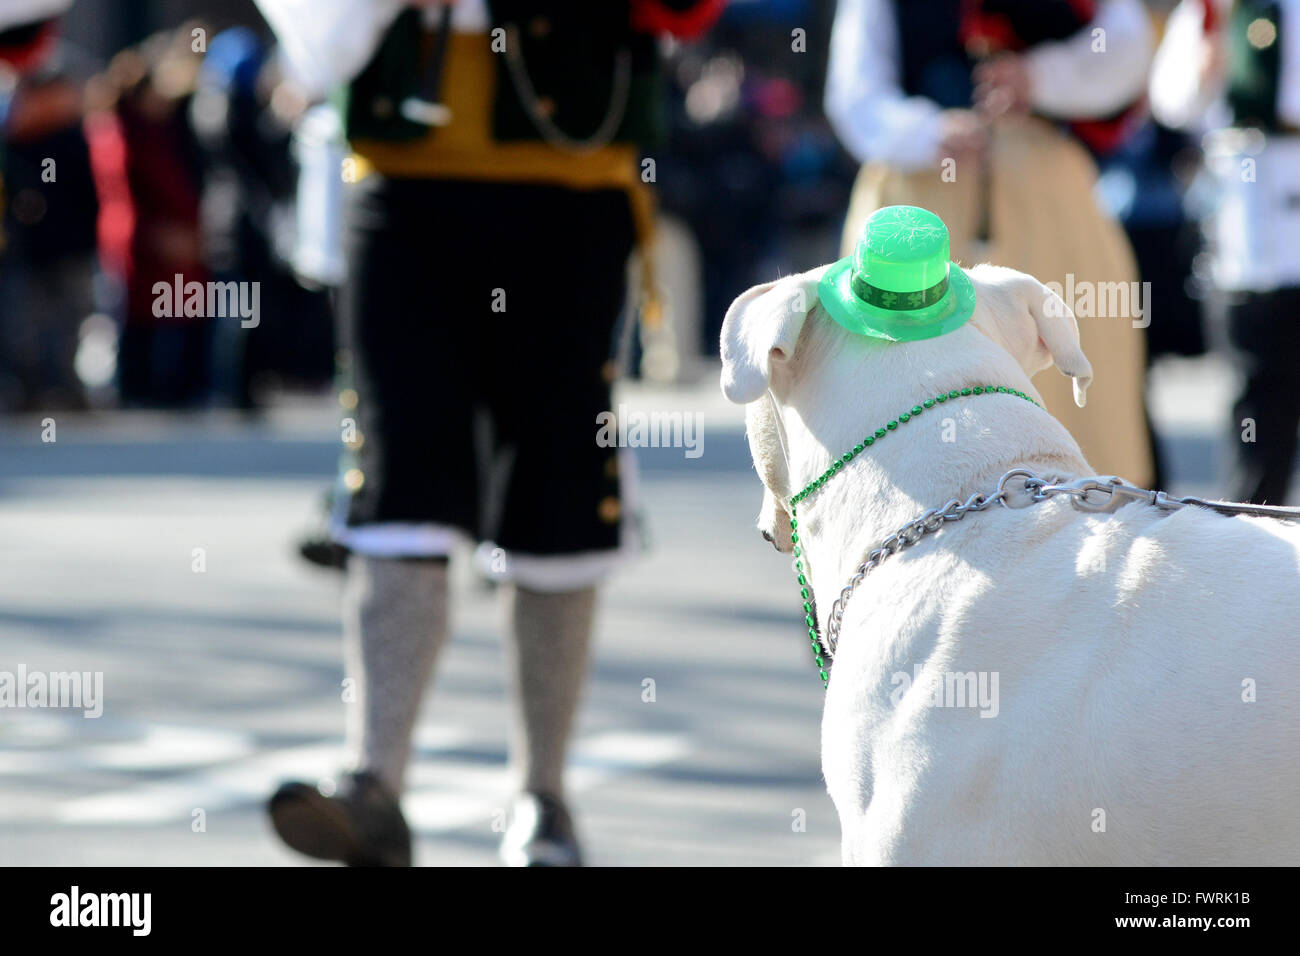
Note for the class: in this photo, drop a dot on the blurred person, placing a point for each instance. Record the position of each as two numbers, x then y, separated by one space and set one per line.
49 210
243 119
1234 67
979 110
147 173
1144 185
746 136
497 197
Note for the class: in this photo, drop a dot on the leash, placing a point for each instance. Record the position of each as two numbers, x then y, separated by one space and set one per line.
1109 494
1115 493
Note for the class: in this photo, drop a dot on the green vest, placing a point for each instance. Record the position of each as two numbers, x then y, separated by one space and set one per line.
1255 37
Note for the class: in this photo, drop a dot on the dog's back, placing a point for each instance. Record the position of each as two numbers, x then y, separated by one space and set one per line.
1062 688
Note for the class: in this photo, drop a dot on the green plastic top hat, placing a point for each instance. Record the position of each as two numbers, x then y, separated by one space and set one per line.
898 284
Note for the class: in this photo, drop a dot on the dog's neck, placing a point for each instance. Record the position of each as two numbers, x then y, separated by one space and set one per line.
951 450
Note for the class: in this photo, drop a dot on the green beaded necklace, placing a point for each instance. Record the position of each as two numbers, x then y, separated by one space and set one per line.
809 611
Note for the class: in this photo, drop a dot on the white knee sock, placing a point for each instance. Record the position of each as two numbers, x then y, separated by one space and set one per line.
395 622
551 634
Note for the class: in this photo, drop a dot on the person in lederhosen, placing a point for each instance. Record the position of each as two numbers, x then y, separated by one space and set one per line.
497 198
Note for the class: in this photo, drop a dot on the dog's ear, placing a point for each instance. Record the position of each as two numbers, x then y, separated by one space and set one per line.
760 331
1031 322
774 522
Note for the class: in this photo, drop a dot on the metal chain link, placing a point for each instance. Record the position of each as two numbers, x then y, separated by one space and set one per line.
906 536
532 103
1114 492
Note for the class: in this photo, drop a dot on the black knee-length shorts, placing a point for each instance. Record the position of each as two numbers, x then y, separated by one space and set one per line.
477 326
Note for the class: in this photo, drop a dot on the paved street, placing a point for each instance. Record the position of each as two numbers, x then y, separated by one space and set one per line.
220 682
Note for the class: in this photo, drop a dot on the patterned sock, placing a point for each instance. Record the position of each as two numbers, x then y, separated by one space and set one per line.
395 622
547 655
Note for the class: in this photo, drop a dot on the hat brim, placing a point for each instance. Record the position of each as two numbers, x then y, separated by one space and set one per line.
951 312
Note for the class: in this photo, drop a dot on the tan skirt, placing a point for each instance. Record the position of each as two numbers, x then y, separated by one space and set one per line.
1043 221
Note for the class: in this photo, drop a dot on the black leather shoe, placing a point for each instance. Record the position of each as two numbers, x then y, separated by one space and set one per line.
361 824
540 833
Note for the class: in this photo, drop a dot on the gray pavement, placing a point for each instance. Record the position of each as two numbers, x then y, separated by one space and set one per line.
220 682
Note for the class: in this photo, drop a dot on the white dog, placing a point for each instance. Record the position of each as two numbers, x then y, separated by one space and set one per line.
1136 675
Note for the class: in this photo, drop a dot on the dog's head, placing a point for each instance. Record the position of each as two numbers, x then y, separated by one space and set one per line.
797 371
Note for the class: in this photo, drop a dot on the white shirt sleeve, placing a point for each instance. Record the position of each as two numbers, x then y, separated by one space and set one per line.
1178 96
327 42
1072 80
864 98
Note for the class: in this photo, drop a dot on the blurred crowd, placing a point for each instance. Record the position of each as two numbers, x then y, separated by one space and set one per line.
177 156
173 158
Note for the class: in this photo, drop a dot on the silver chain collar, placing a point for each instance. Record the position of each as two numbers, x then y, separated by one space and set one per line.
1109 494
